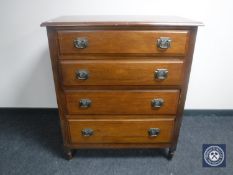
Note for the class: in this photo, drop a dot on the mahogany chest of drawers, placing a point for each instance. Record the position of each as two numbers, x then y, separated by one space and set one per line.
121 81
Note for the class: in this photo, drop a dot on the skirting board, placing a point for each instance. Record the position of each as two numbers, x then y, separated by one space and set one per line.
187 112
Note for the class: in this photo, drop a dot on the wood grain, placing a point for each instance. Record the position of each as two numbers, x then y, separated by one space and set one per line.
117 145
120 20
61 99
188 63
122 102
123 72
118 42
121 131
114 116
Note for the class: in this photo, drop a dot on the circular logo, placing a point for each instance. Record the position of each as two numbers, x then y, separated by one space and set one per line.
214 155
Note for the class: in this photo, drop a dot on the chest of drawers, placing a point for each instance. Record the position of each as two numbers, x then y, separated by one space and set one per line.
121 81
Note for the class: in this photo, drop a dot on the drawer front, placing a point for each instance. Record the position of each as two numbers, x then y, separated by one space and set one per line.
123 72
122 102
141 42
121 131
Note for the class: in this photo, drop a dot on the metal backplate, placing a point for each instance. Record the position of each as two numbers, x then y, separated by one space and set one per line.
87 132
157 102
82 74
85 103
161 74
153 132
164 42
81 43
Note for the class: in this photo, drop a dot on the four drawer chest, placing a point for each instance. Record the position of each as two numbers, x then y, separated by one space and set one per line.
121 81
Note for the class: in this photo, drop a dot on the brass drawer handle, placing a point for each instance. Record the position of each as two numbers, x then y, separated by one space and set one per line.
87 132
157 103
164 42
153 132
161 74
81 43
82 74
85 103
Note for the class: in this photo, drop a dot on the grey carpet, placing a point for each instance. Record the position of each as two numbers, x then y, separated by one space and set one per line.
30 144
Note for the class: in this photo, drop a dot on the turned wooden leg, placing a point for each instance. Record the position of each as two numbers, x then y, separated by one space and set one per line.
171 152
68 153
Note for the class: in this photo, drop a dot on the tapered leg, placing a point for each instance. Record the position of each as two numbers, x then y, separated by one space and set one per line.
171 152
68 153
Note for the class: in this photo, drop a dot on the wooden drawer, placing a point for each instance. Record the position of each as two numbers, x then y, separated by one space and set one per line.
120 130
123 41
122 101
121 72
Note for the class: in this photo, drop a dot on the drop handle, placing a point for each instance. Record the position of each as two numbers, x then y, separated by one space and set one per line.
82 74
87 132
164 42
157 103
153 132
161 74
85 103
81 43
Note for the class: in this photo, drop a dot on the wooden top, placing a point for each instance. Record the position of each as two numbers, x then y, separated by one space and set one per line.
120 21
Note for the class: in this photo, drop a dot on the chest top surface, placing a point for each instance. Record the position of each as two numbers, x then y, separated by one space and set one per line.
100 20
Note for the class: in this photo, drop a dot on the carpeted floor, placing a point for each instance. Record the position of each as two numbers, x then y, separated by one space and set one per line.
30 144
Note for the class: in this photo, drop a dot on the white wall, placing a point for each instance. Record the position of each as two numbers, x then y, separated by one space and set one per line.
25 69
